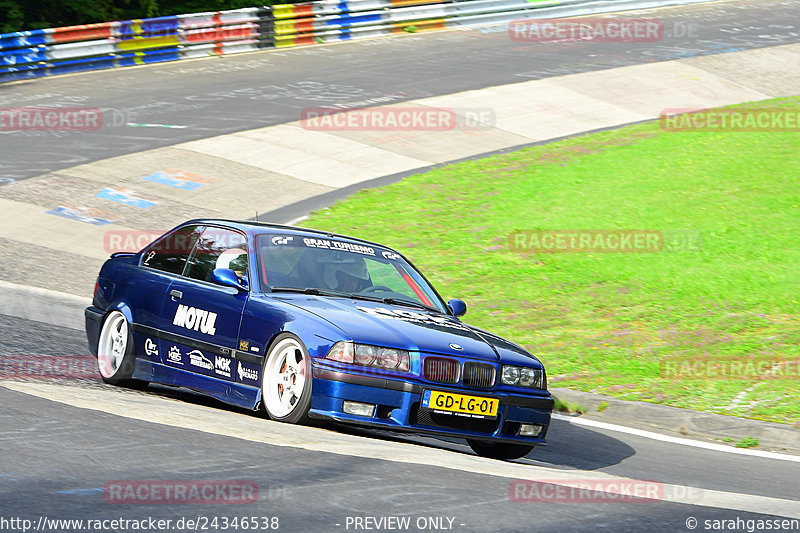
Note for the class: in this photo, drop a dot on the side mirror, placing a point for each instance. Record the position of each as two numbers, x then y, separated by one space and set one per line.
458 307
228 278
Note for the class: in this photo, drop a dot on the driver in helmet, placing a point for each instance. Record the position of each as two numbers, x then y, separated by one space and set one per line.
235 259
348 276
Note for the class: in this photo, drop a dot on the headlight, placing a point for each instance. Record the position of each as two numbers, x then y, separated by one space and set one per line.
341 351
527 377
510 375
365 355
523 377
389 358
374 356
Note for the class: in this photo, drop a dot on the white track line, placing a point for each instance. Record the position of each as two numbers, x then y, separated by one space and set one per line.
674 440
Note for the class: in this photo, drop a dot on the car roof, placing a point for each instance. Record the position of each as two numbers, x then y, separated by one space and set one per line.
254 228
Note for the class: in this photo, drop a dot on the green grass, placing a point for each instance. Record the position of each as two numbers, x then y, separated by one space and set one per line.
609 322
568 407
747 442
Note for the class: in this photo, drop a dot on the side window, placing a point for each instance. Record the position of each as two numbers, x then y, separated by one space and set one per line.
218 248
171 251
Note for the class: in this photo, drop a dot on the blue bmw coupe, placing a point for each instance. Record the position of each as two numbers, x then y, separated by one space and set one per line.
308 325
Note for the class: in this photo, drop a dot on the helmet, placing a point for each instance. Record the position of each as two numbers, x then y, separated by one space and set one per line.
348 274
233 258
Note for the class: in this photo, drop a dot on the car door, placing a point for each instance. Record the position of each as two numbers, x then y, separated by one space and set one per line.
202 318
161 263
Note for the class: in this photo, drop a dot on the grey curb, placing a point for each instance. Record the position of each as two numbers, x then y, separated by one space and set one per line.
42 305
289 214
697 425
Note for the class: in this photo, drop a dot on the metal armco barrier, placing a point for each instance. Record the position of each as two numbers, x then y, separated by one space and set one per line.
32 54
36 53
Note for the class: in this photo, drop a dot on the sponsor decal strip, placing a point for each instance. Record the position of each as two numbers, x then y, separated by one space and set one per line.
214 349
327 244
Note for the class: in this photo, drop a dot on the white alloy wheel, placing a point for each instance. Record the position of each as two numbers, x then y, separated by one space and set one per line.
286 381
114 353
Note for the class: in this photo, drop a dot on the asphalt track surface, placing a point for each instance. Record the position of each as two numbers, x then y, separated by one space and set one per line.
209 97
57 457
63 457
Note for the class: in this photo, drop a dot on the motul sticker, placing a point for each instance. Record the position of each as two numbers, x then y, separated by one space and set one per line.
195 319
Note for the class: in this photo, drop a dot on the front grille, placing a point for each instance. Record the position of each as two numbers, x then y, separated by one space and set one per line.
426 417
480 375
440 370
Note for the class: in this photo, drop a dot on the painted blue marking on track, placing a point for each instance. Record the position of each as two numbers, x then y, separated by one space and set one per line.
75 214
125 197
164 178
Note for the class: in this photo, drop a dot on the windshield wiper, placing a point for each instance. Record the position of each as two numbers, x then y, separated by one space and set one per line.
311 290
395 301
412 303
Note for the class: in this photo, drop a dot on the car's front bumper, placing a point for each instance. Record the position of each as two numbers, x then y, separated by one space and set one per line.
398 408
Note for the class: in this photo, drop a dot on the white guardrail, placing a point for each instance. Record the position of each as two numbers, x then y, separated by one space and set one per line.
32 54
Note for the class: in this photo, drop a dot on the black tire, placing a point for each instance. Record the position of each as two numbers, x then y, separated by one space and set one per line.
283 395
499 450
115 350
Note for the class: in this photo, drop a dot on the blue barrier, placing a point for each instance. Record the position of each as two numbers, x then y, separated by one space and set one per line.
23 56
154 27
22 39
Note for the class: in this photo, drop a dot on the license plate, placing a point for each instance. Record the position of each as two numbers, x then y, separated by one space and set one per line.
460 404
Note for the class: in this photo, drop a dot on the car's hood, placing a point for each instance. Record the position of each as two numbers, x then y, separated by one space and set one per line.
398 326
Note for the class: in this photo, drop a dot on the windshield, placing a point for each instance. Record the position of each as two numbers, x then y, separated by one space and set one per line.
337 267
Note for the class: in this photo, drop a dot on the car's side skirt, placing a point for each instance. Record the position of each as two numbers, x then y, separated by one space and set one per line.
229 392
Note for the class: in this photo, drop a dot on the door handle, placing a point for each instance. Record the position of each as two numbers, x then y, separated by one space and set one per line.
175 295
